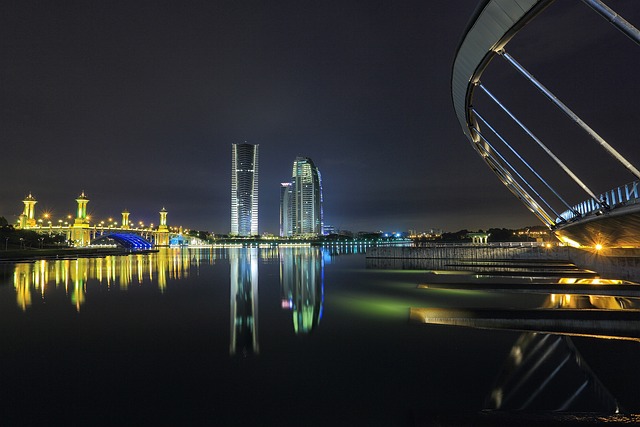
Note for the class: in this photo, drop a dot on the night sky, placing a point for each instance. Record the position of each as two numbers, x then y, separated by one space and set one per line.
137 103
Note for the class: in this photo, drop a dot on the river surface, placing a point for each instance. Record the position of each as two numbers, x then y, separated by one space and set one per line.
247 336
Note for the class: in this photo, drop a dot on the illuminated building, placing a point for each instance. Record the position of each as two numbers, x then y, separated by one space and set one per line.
286 193
244 190
306 199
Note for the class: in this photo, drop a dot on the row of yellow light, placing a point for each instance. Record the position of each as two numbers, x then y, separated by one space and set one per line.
102 224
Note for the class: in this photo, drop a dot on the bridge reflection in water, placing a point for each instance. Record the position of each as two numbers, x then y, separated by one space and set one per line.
545 373
301 282
81 275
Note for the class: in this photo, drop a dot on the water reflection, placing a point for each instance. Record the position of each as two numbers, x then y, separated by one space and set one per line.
244 301
600 308
547 373
301 282
544 372
36 279
302 286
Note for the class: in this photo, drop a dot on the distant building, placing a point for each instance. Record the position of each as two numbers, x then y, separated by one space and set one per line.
244 190
286 194
301 206
328 229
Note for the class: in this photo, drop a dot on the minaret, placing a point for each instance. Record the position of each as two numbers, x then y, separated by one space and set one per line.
80 233
125 219
27 219
162 235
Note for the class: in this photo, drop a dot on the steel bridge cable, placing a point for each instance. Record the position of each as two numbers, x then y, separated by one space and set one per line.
541 145
504 141
513 170
513 186
616 20
573 116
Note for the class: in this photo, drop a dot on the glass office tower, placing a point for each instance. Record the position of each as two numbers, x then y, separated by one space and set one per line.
244 190
306 199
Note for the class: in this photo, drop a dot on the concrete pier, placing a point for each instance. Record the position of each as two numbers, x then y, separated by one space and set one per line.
618 263
620 324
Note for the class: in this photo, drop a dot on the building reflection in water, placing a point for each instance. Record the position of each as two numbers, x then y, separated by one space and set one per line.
32 281
302 286
243 276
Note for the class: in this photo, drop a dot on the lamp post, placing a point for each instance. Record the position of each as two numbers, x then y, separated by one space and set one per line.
6 243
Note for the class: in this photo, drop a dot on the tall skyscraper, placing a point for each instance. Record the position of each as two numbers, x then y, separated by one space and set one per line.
303 202
244 190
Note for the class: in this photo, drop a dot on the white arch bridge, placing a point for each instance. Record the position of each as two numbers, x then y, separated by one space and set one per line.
601 215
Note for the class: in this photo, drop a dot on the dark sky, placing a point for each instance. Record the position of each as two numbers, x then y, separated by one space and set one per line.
138 102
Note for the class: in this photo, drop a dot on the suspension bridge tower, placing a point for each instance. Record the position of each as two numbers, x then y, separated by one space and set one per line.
27 219
125 219
80 232
162 234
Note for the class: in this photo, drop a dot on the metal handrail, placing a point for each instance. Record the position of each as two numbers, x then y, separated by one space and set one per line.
616 197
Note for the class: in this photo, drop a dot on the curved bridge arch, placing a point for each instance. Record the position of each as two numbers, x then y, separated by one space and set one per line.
494 23
126 240
491 28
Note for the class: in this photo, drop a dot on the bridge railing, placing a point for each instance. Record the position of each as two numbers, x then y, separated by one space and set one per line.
614 198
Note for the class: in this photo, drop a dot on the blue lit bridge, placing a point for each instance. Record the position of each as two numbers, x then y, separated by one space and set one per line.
601 216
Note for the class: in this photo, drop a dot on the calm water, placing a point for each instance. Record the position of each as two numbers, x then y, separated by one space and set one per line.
289 336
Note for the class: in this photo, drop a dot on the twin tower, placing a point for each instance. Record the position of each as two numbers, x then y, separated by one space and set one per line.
300 199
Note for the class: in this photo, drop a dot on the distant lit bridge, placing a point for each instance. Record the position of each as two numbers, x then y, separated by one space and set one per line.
611 217
80 232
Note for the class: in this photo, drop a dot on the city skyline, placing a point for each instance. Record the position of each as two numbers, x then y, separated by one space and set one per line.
138 107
